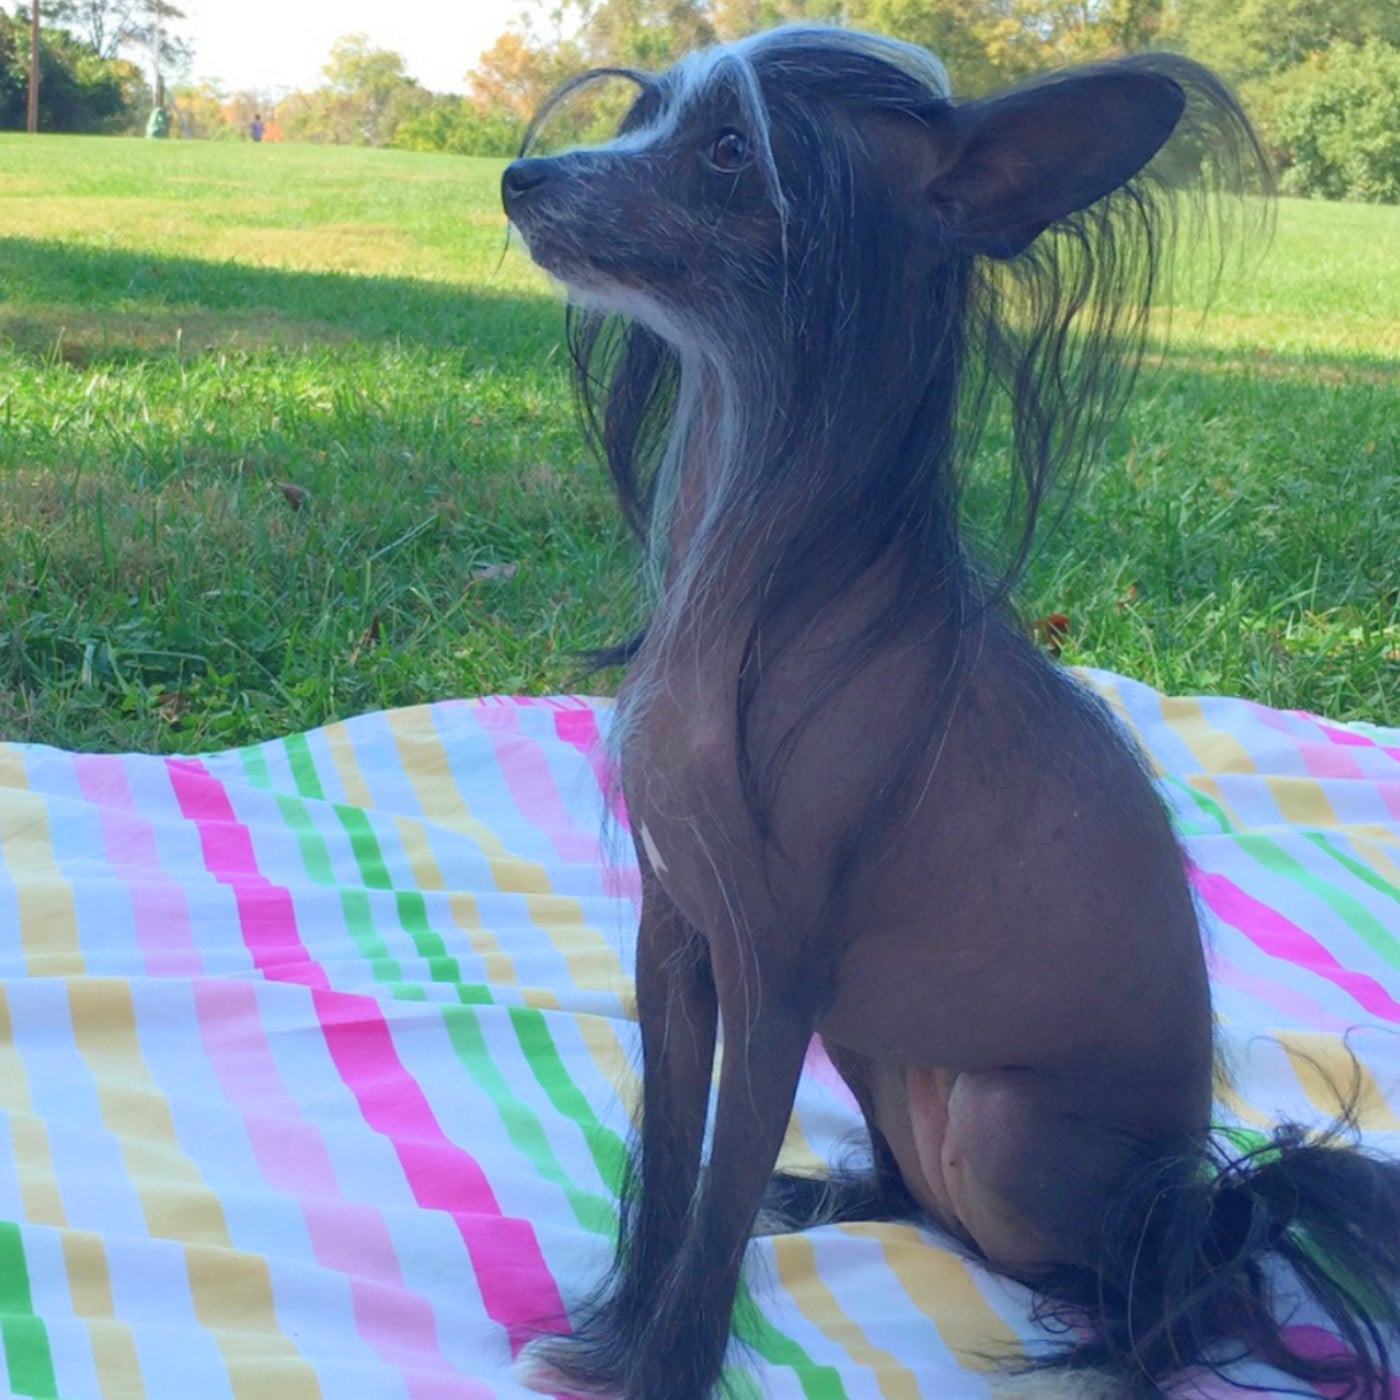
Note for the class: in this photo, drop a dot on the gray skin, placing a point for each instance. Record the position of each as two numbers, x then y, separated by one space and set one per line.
1012 983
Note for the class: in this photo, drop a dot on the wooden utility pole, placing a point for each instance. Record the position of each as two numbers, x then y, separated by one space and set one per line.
34 69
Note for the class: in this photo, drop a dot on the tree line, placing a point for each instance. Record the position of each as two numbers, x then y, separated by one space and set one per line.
1320 77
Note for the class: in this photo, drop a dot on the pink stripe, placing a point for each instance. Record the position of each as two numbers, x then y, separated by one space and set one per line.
1266 928
531 784
1348 737
1336 759
1277 995
579 728
516 1286
1321 760
160 908
347 1236
536 793
290 1152
1315 1343
818 1066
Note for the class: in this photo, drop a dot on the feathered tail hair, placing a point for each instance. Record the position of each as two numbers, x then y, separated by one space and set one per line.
1185 1278
1192 1274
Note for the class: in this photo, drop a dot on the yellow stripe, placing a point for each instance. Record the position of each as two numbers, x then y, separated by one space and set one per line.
1227 1094
1301 801
342 753
14 1077
427 874
48 926
38 1183
429 772
797 1268
90 1287
1327 1073
1217 749
1369 838
176 1203
939 1285
599 1035
12 774
29 1134
232 1296
1109 694
590 959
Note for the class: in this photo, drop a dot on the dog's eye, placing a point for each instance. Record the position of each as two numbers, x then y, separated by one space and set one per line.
730 151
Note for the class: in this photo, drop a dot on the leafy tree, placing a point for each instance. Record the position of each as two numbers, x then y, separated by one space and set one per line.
460 127
1245 39
733 19
1276 51
650 34
113 26
1342 131
367 95
515 75
78 89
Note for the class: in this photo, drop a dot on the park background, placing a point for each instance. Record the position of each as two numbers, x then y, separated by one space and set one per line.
286 435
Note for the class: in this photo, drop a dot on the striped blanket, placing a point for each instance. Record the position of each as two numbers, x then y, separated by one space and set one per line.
317 1053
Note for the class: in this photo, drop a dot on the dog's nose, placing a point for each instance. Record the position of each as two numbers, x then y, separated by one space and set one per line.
522 176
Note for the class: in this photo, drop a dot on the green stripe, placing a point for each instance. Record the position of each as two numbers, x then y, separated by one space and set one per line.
542 1055
1364 873
1350 910
303 767
1268 853
1213 809
28 1356
521 1123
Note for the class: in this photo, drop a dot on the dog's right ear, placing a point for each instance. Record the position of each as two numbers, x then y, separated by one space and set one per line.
1010 165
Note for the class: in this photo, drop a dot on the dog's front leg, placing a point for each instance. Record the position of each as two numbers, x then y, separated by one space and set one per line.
677 1010
765 1038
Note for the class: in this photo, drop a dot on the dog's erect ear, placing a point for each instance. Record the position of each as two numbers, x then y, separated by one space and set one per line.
1015 163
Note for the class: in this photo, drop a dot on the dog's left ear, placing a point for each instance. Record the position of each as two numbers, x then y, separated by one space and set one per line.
1011 165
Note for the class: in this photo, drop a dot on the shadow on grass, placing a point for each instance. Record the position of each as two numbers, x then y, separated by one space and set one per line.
90 305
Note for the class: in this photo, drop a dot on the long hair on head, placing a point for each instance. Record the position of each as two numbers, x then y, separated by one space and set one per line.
834 364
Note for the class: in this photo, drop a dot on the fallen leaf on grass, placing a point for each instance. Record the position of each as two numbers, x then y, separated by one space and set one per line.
1050 631
171 705
488 571
368 638
296 495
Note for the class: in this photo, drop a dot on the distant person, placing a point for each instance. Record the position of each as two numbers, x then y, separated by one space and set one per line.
158 126
256 129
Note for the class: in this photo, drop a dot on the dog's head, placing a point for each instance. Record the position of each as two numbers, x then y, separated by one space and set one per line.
748 172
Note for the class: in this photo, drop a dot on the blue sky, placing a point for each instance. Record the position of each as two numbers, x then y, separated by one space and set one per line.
268 45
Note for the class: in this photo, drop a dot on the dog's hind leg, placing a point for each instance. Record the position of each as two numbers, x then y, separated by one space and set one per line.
845 1194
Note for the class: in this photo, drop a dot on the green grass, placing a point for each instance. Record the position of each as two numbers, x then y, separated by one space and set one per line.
283 438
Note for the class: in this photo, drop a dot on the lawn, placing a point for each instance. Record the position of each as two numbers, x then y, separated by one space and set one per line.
285 435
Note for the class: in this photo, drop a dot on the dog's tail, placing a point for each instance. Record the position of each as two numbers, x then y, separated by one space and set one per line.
1189 1272
1189 1276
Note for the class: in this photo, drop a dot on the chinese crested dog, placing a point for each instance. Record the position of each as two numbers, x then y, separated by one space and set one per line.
864 805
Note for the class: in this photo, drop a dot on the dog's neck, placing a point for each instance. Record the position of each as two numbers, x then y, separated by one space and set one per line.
718 566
